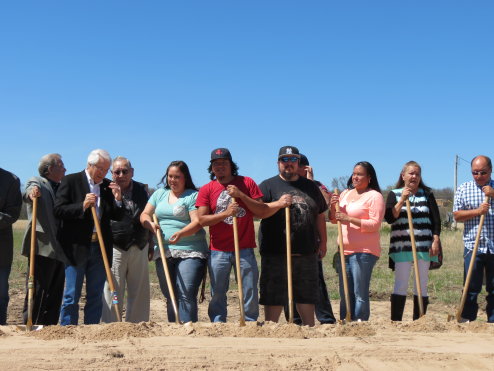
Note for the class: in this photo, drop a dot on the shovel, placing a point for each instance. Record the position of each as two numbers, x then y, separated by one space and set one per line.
288 233
470 269
30 282
171 292
239 275
109 276
348 317
415 260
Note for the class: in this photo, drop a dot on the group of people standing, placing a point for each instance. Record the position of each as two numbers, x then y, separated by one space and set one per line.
68 248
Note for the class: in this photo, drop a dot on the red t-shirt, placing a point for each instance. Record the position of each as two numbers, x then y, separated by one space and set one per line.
214 196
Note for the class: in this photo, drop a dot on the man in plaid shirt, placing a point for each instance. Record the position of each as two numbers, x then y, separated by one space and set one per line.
469 205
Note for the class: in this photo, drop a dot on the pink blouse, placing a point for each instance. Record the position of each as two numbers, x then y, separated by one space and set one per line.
370 209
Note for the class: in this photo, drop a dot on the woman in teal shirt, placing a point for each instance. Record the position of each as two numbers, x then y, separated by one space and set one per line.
186 249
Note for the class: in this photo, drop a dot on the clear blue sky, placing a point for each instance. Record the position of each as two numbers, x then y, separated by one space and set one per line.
156 81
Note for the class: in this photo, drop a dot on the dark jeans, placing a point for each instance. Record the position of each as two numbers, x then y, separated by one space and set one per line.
324 310
49 279
4 293
483 263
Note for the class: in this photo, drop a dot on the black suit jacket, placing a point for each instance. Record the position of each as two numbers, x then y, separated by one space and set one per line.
10 208
77 225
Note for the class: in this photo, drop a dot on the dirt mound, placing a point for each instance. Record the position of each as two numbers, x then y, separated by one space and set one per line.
357 329
425 324
54 332
111 331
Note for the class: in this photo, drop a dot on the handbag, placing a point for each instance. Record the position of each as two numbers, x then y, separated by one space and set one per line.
439 263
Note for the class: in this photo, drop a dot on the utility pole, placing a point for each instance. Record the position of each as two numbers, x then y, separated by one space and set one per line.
455 184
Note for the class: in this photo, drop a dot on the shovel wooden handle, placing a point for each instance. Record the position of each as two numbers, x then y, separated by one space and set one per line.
472 263
32 256
166 270
288 233
415 259
109 276
239 273
348 316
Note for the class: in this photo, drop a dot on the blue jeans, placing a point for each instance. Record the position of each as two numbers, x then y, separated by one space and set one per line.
483 263
4 293
220 266
186 276
94 270
359 270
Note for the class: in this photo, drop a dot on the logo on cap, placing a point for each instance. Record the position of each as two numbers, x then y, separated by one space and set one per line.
288 151
218 152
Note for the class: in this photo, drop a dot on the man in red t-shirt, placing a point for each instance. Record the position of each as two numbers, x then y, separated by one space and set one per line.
216 210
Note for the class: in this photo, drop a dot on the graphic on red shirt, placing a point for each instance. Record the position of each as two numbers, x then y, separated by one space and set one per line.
214 196
222 204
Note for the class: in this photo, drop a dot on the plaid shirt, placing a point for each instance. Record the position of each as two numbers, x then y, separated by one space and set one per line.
469 196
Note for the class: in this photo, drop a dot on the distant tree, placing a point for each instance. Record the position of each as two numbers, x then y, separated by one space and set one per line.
339 183
444 193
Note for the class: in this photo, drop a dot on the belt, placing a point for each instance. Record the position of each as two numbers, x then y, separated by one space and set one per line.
94 237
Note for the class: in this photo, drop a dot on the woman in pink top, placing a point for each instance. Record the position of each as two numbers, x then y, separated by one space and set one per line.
361 214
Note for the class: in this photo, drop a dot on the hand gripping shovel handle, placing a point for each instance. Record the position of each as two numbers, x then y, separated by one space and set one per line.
167 272
288 235
348 317
470 267
32 256
415 260
239 273
109 276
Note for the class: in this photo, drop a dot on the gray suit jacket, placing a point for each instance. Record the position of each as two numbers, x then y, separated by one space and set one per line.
10 208
47 225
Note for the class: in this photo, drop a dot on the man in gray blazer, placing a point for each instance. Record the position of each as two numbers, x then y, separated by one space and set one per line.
49 268
10 208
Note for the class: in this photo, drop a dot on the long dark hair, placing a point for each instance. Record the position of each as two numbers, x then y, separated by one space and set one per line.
400 183
184 169
369 169
233 165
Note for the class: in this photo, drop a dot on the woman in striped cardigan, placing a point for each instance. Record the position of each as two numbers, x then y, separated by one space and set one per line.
427 227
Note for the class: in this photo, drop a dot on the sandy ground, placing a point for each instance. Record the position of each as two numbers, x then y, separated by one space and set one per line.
430 343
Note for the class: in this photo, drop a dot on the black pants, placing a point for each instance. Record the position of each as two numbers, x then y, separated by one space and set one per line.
49 280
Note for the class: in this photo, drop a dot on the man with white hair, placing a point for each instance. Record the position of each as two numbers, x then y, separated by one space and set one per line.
50 260
76 195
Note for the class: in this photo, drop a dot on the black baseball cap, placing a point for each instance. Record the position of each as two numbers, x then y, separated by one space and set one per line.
288 151
219 153
304 161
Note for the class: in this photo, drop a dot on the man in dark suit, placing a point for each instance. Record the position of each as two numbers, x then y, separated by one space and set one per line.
50 260
10 208
76 195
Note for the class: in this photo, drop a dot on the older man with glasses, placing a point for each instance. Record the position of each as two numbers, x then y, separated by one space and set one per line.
77 194
469 206
130 249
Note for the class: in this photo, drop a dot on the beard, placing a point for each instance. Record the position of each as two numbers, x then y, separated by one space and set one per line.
289 175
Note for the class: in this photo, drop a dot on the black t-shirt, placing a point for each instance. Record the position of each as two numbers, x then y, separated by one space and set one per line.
308 203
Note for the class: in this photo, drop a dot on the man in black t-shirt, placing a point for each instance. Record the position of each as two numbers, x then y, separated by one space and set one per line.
308 236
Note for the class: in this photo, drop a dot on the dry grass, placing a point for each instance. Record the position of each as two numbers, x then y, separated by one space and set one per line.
445 284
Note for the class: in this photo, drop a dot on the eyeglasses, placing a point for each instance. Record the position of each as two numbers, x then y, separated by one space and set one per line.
123 171
289 159
479 173
100 169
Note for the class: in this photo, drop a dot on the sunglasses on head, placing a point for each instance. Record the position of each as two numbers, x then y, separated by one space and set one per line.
289 159
479 172
123 171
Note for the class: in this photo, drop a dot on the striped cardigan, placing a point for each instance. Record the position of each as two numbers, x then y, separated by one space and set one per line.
426 223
